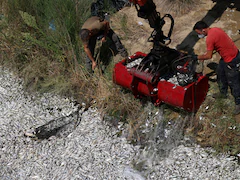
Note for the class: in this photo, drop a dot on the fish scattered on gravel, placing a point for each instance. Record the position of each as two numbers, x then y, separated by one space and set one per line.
90 150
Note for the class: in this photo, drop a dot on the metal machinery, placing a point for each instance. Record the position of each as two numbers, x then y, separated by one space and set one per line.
165 75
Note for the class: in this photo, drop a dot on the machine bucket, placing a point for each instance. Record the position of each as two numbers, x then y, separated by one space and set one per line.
189 97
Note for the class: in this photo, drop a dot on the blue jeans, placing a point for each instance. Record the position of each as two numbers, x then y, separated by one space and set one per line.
228 74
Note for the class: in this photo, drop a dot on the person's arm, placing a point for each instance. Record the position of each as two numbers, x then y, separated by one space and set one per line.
90 56
207 55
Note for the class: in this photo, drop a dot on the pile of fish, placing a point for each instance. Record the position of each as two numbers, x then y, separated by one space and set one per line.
87 147
177 78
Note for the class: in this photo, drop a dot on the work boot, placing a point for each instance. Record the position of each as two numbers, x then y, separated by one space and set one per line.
237 109
219 96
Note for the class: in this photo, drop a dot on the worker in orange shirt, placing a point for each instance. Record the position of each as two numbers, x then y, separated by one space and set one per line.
229 64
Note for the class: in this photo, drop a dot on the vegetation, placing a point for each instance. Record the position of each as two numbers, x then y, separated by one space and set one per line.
216 125
39 41
178 7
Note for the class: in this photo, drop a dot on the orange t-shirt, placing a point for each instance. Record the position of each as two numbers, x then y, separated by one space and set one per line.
218 40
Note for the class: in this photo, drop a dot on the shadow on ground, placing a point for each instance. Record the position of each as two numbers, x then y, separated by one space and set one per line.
214 14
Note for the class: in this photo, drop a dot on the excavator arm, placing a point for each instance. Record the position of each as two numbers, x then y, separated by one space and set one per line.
146 9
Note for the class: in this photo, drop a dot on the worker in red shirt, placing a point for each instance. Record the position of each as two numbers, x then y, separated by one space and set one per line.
229 64
94 28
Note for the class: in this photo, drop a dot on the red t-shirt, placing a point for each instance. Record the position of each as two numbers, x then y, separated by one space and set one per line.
218 40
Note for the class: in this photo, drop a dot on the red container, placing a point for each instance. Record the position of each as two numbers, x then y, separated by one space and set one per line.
139 2
189 97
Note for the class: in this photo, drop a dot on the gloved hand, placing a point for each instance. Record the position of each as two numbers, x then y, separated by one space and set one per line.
194 57
193 63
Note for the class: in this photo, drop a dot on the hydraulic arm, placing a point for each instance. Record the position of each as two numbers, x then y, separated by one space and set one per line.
146 9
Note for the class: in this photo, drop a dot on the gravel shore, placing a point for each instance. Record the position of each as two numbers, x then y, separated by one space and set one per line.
90 150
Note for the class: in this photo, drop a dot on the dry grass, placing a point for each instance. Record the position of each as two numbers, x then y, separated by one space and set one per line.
177 7
119 105
217 126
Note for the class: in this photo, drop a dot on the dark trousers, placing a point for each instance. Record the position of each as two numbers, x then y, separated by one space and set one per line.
114 38
228 74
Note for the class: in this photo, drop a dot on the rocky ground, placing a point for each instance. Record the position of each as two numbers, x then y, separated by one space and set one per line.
88 148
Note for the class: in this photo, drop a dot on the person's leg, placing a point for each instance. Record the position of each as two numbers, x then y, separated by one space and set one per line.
233 76
120 48
222 78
